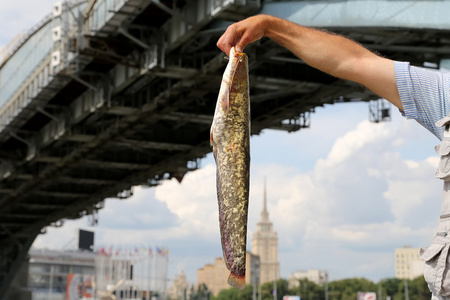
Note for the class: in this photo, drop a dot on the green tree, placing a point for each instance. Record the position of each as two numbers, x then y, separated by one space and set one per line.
308 290
235 294
231 293
347 289
268 287
202 293
422 291
417 289
390 287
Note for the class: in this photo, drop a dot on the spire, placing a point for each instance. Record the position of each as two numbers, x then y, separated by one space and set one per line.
264 213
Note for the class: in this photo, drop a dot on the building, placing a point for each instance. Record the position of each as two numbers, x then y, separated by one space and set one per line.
124 273
179 288
51 272
215 276
408 264
319 277
265 245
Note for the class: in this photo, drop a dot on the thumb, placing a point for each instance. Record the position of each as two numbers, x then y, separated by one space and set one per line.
239 47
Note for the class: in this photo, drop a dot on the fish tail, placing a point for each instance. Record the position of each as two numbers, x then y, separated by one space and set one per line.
236 281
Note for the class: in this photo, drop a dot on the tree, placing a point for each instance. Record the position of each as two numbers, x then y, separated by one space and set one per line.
347 289
390 287
202 293
422 291
231 293
267 290
235 294
308 290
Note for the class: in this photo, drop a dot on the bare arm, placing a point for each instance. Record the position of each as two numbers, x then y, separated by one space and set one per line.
333 54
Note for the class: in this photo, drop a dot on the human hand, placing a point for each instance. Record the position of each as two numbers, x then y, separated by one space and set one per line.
242 33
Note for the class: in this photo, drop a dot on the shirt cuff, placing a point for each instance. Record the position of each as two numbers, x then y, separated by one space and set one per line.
404 87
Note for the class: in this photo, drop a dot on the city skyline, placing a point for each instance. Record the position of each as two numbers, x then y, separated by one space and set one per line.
358 188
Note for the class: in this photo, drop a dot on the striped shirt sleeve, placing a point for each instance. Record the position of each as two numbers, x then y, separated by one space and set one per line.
425 95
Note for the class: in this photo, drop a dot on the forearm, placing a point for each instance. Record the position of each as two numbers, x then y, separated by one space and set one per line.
337 56
325 51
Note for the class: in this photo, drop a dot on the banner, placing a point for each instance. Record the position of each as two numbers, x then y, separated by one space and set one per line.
78 287
367 296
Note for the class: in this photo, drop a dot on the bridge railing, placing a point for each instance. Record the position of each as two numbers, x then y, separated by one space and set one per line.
25 60
33 65
101 13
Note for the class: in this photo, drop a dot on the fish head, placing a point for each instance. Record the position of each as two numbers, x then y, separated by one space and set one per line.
237 77
233 94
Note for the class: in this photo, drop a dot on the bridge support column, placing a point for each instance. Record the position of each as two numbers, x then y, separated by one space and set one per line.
11 259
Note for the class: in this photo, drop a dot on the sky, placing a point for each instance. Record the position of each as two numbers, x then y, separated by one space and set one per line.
342 194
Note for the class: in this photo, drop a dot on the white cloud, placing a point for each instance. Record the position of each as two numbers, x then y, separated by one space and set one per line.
194 201
366 133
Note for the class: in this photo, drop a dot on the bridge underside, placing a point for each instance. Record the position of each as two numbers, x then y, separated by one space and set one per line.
155 124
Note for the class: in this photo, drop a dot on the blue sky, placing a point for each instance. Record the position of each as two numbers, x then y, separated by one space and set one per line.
342 195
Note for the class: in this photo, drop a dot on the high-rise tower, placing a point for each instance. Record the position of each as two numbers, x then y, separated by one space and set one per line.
265 244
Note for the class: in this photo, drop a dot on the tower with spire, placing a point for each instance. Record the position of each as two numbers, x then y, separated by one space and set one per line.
265 244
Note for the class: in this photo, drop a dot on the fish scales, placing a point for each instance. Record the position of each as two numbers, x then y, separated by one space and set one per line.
230 138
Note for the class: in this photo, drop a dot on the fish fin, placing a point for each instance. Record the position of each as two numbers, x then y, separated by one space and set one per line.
226 261
236 281
220 199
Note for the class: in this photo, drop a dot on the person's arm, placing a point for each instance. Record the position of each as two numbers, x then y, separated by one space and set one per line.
333 54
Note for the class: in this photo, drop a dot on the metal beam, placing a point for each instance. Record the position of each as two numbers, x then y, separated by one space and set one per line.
77 137
171 12
59 194
48 159
84 82
186 117
115 165
78 180
152 145
175 72
20 216
133 38
122 110
41 205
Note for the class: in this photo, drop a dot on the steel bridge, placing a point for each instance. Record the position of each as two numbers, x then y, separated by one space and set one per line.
103 95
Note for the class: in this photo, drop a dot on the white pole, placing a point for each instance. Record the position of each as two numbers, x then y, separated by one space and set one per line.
165 273
406 290
150 258
274 283
50 284
259 288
